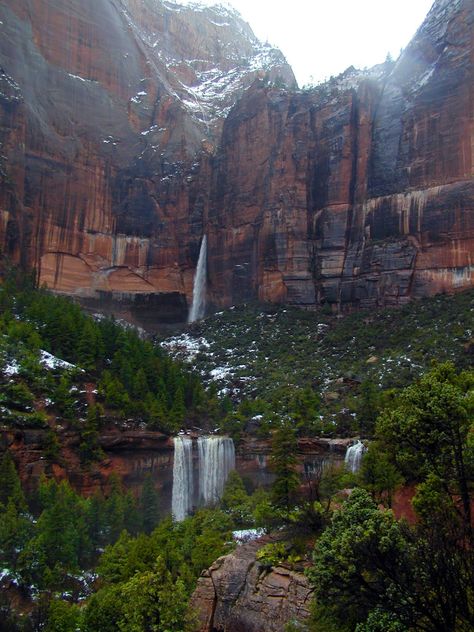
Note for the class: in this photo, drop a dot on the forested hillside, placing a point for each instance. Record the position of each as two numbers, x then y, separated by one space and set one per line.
108 561
50 349
330 375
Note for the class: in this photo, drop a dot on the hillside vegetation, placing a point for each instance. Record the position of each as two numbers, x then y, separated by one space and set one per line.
52 355
331 375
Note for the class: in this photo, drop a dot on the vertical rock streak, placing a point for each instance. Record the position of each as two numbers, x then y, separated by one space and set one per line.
183 483
216 460
198 307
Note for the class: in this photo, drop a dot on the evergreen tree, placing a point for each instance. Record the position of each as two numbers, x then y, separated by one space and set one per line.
283 463
16 529
379 476
89 447
96 519
63 398
63 617
61 544
10 487
149 505
427 431
140 385
177 412
115 509
90 346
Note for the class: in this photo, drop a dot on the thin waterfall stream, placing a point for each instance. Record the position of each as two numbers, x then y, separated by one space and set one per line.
216 460
353 458
198 307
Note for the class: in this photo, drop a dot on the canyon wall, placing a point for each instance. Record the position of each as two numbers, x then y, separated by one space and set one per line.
357 193
129 129
133 454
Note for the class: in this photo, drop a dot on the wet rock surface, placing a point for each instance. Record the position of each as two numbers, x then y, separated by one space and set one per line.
130 129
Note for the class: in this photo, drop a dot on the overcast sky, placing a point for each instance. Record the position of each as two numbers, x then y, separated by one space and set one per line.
321 38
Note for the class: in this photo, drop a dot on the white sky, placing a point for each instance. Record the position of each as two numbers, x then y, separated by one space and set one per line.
320 38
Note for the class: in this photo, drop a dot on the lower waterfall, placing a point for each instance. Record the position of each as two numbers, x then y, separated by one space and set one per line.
183 482
353 458
216 460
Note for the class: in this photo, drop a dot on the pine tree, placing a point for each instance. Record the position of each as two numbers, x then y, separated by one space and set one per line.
63 398
89 447
178 410
140 385
96 519
90 347
149 504
283 463
10 488
16 529
114 508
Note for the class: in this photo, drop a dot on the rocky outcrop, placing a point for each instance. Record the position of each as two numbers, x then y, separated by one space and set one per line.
237 593
133 454
115 160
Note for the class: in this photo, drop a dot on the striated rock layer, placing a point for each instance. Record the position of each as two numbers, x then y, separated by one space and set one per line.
128 129
359 192
237 593
108 112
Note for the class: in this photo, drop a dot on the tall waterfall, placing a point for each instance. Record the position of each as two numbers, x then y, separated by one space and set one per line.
353 458
198 307
216 460
183 484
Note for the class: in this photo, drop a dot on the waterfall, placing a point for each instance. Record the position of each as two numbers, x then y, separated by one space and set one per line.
183 486
216 460
198 307
353 458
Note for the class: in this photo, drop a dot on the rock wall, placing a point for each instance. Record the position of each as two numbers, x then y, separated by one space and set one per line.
108 113
237 593
129 129
134 454
358 193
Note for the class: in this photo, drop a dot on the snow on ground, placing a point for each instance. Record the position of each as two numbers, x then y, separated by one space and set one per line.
52 362
221 372
185 347
12 368
48 360
247 535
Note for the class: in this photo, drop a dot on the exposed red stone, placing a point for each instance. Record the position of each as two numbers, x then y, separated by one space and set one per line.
357 193
237 593
402 505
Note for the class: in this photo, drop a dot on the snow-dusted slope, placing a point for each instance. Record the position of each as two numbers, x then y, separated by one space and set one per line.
206 55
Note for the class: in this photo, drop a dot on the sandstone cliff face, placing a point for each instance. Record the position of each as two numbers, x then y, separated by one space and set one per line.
129 454
358 193
133 454
237 594
108 111
115 160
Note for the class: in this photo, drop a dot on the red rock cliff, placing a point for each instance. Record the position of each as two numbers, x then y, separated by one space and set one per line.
108 111
114 163
359 192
